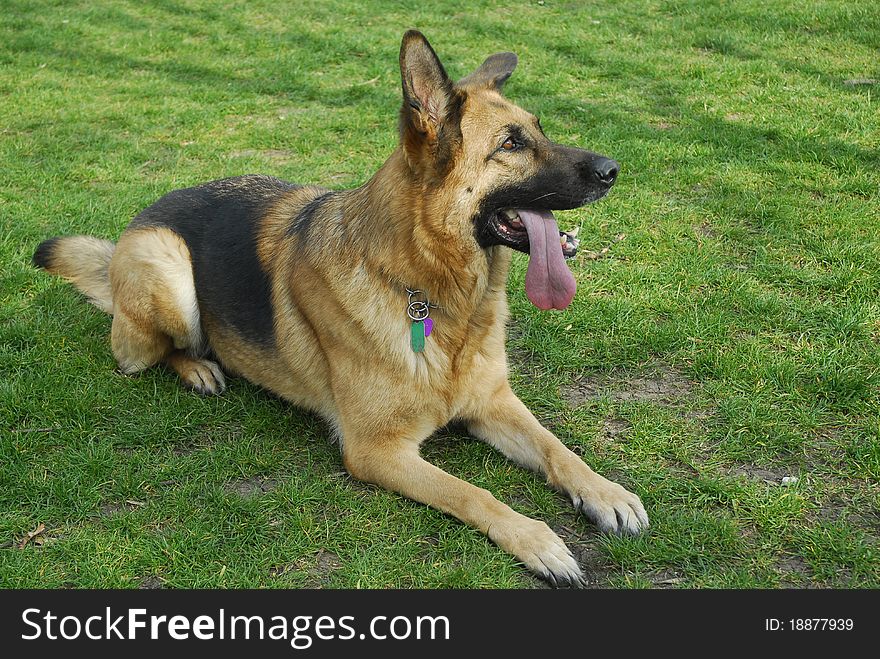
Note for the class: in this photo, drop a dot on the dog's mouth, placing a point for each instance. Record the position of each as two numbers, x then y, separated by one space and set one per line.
549 282
510 229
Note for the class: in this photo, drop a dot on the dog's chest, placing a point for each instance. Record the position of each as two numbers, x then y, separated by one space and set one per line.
455 369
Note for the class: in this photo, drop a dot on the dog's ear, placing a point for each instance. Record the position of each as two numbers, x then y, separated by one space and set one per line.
429 116
427 90
491 74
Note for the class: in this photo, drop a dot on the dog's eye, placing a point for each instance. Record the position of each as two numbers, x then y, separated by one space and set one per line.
509 144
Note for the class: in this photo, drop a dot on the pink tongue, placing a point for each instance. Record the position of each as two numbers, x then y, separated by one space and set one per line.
549 282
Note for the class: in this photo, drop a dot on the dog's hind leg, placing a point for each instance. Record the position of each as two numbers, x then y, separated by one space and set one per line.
155 313
200 375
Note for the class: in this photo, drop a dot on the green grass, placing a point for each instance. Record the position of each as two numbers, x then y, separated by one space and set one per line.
748 277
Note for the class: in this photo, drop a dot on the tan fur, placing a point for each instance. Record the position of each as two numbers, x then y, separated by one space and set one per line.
154 302
83 261
342 345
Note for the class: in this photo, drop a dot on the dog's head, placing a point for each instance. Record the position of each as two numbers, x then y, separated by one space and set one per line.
504 175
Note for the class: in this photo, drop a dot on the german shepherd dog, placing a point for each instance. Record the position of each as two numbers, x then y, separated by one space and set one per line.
381 308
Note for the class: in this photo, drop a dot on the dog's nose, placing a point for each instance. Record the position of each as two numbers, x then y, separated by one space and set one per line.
606 170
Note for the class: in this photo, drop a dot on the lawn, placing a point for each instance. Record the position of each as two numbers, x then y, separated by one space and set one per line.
721 358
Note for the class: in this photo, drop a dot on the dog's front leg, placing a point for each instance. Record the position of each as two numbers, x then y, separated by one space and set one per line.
395 464
503 421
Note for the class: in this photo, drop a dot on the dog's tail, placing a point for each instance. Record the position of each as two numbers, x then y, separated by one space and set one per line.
82 260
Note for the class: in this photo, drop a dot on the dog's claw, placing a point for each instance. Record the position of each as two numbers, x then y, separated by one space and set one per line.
567 581
617 511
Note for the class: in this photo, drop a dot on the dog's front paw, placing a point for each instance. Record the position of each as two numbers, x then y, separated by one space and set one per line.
540 549
611 507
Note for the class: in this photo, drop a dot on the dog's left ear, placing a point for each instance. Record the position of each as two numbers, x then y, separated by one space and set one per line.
491 74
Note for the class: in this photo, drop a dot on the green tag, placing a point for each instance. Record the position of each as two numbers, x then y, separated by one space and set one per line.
417 333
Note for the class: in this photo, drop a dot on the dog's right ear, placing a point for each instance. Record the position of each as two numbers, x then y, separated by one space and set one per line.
429 101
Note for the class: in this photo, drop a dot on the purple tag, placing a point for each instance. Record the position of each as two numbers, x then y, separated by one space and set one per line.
429 325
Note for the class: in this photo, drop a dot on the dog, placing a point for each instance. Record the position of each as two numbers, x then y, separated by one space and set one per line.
382 308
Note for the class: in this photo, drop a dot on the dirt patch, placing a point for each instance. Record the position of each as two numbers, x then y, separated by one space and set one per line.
769 476
112 509
317 567
826 450
793 572
325 563
704 230
849 507
666 579
868 520
614 430
251 487
594 565
657 384
151 582
832 509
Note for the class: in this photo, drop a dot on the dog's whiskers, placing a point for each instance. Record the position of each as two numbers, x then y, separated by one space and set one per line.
543 196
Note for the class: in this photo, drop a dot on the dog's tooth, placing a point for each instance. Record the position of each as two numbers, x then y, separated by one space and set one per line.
574 232
510 214
569 243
